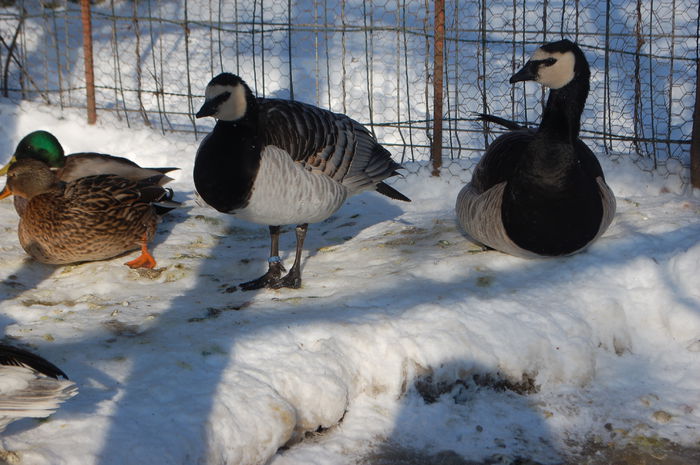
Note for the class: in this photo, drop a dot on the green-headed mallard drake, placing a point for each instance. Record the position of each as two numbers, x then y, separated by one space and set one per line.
541 192
43 146
30 386
91 218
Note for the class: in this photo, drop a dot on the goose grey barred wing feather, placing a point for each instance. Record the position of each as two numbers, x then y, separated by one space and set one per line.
30 385
26 393
331 143
479 214
14 356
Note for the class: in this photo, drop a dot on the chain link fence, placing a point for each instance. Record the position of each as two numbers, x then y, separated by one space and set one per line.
373 60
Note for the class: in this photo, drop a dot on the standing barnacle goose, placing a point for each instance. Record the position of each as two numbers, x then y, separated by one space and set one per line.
30 386
541 192
278 162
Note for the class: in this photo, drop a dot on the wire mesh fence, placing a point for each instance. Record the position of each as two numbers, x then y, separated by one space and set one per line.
373 60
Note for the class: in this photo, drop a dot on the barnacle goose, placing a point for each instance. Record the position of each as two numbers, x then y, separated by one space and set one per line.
278 162
30 386
541 192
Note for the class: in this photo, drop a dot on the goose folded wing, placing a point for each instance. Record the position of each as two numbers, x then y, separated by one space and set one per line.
327 142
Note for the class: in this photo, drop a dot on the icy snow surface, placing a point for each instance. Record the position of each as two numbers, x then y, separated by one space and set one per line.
404 333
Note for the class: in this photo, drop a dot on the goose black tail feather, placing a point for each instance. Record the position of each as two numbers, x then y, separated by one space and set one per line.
390 192
506 123
13 356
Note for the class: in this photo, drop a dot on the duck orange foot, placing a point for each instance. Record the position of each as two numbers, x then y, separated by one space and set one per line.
145 260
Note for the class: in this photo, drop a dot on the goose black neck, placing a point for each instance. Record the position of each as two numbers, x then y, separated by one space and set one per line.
227 164
562 115
552 157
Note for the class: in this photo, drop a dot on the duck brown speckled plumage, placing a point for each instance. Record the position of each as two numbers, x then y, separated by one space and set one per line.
91 218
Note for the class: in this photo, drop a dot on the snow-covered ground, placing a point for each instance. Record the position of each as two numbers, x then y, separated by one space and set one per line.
404 337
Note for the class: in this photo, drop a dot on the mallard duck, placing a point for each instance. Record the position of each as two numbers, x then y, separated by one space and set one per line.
44 146
278 162
91 218
541 192
30 386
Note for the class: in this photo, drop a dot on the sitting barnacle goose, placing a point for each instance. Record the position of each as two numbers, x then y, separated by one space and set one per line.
278 162
91 218
44 146
30 386
541 192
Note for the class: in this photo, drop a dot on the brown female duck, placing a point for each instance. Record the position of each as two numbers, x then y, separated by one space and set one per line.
91 218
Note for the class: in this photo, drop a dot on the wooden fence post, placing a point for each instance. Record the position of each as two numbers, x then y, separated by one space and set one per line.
438 66
89 67
695 135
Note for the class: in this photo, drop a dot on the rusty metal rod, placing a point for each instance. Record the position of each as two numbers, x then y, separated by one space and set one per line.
89 66
438 66
695 137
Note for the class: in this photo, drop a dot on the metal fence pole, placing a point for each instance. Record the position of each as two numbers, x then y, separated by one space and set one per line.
695 137
89 70
438 66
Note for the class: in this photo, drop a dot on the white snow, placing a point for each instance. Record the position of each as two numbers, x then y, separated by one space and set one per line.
175 366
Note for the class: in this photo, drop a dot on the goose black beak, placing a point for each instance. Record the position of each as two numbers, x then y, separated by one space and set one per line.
211 106
208 109
527 73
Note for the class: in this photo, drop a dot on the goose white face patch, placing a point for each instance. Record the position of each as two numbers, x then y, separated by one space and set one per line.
560 73
231 109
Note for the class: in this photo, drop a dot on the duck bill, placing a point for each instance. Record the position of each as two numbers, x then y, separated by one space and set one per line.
527 73
3 170
6 192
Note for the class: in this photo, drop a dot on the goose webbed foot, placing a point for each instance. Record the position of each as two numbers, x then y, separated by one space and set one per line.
291 280
269 279
272 279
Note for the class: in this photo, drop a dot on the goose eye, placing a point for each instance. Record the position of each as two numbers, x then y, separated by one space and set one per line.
221 98
549 61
